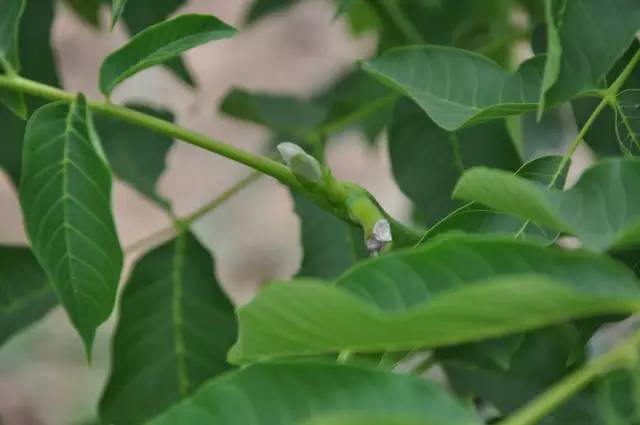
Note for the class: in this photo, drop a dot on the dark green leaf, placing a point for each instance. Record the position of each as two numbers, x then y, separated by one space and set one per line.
138 16
474 218
25 293
159 362
628 121
357 94
427 161
261 8
457 87
87 10
579 60
159 43
618 397
117 9
602 209
284 115
329 245
541 359
38 64
65 193
10 16
610 122
291 394
450 291
137 155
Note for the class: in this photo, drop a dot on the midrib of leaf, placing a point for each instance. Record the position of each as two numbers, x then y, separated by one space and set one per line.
176 314
65 192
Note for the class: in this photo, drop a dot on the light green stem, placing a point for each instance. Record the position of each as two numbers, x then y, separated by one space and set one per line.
265 165
625 355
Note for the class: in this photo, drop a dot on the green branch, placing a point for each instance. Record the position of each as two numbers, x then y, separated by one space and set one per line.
625 355
331 197
262 164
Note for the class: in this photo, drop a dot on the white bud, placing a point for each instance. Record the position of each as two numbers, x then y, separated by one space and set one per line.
306 166
288 150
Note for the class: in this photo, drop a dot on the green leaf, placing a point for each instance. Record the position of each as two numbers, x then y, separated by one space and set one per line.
427 161
579 60
363 420
474 218
344 6
138 16
159 362
25 293
612 119
38 64
358 93
602 209
329 245
472 373
10 15
65 193
284 115
159 43
628 121
456 87
618 396
262 8
137 155
293 393
87 10
117 9
453 290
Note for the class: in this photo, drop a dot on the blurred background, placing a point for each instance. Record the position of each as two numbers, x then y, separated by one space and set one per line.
255 236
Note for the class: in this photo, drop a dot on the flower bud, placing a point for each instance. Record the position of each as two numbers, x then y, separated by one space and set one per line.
288 150
301 163
305 166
